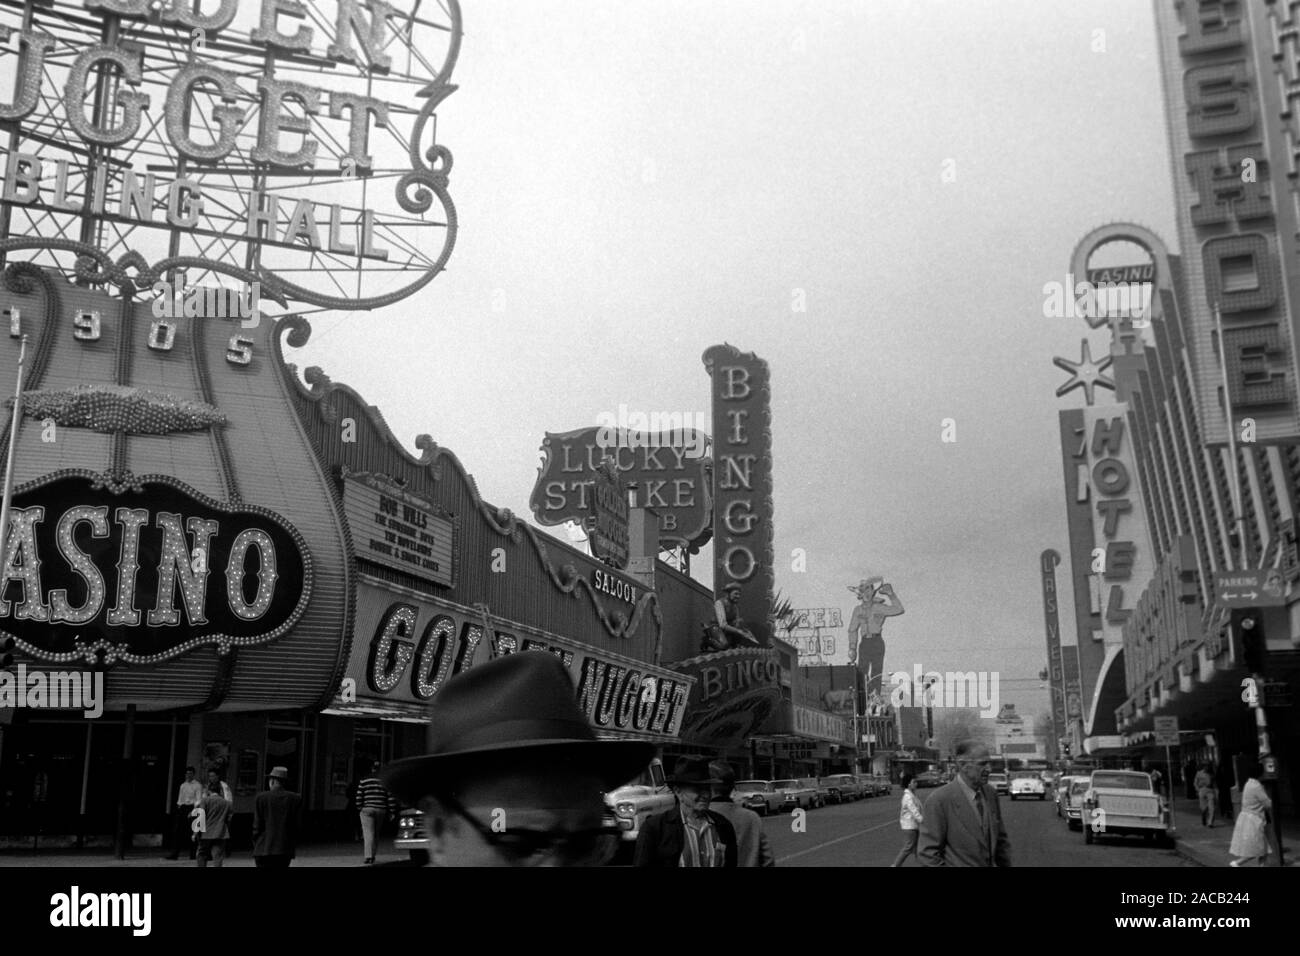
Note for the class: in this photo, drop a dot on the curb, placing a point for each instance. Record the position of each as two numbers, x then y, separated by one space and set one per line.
1196 856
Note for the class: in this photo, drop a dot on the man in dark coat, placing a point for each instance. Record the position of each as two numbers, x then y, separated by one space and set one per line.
963 821
277 818
690 834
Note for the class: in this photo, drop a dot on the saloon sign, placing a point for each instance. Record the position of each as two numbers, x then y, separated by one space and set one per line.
145 571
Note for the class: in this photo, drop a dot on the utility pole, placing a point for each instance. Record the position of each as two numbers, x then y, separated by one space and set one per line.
13 443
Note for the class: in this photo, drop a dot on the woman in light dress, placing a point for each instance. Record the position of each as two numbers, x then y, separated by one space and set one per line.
1250 836
909 819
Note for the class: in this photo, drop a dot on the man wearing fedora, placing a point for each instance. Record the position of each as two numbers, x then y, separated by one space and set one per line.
690 834
277 818
514 775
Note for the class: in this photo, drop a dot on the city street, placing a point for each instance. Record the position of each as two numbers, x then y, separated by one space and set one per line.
866 833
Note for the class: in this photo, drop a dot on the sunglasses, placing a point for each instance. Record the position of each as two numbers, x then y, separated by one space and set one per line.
595 846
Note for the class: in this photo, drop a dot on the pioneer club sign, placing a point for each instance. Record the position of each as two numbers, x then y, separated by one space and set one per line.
144 572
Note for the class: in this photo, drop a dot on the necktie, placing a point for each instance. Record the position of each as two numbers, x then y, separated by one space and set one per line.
984 821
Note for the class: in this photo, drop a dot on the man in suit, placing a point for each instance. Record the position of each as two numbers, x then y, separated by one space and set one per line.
277 818
690 834
752 848
963 822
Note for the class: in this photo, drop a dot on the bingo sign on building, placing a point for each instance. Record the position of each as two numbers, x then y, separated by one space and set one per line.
742 482
228 143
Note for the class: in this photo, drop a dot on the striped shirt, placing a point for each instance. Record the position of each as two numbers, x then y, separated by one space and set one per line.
703 847
371 795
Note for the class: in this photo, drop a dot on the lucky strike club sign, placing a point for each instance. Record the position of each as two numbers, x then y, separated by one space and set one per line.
668 472
144 573
299 129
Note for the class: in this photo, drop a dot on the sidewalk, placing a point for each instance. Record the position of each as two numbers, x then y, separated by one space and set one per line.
319 854
1209 846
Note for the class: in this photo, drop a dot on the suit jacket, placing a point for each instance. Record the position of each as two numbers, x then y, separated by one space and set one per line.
951 834
277 818
752 848
663 837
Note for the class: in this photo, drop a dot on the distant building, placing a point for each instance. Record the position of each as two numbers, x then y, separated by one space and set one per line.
1010 739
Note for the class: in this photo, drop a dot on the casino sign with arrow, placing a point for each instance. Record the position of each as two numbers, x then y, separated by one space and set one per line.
1258 587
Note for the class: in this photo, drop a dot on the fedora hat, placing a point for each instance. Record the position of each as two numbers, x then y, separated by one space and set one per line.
696 771
278 773
522 703
722 772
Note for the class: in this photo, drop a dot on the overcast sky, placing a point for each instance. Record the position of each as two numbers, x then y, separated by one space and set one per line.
637 181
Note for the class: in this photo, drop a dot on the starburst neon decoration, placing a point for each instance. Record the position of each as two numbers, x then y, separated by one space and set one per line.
1085 373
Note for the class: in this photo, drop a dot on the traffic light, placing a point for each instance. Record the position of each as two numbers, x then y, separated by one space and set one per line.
6 645
1248 626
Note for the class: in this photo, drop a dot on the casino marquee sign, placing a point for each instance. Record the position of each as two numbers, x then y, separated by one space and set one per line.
144 571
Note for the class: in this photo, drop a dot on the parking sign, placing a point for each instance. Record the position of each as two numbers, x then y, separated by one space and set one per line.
1166 731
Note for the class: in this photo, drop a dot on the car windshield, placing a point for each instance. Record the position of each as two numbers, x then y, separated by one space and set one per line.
997 776
1122 781
1024 776
1079 786
784 784
752 785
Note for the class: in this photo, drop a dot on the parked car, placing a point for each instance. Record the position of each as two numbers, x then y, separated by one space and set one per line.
929 778
795 794
411 838
1050 777
1059 792
632 803
882 784
1122 802
1072 801
843 787
819 794
1027 783
761 796
998 781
